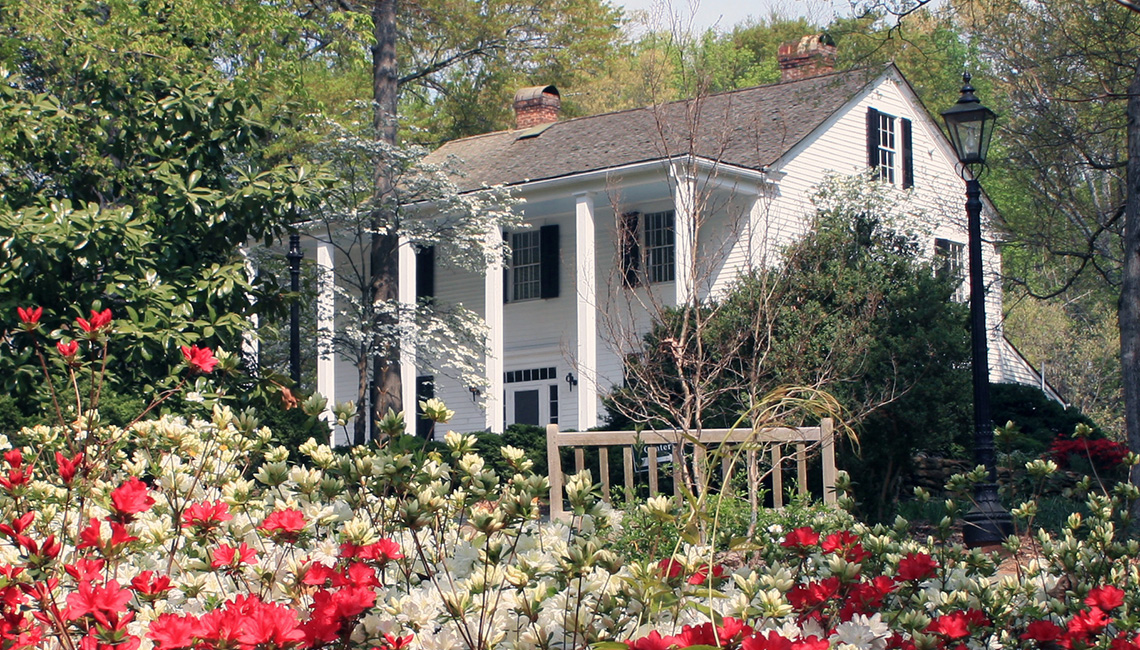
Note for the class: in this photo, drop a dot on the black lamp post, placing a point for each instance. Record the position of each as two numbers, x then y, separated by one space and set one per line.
970 126
295 255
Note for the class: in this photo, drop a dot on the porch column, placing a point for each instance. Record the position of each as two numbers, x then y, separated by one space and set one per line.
685 234
586 287
493 294
326 324
407 296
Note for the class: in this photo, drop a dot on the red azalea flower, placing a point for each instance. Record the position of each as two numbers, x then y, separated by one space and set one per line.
801 538
171 631
810 643
844 541
129 499
1042 632
731 630
149 584
19 525
915 567
381 551
206 516
92 537
68 350
30 317
653 641
199 359
1122 642
99 321
264 625
68 468
670 568
702 573
773 641
1088 623
86 569
284 525
395 642
956 625
17 476
103 602
232 558
1106 598
335 611
696 635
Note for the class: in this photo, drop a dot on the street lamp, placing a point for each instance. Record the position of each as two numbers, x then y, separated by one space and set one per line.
970 126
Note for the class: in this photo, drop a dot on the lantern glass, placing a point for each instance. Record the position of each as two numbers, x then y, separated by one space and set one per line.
970 126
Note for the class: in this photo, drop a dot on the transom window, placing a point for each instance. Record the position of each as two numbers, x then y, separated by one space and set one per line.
887 148
660 240
526 273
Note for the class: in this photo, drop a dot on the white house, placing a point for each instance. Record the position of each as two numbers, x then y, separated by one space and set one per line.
683 195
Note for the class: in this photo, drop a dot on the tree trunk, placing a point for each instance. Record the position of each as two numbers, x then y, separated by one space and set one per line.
1129 309
383 258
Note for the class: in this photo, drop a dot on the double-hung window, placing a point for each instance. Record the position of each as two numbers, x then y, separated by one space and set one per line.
535 264
648 247
889 145
526 278
950 257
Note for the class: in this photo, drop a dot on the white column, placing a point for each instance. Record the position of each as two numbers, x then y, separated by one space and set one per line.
585 284
493 293
685 234
326 323
407 296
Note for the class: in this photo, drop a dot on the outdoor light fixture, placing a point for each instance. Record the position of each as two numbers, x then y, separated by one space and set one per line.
571 380
970 126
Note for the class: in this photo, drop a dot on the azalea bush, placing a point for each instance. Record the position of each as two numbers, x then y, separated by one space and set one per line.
197 532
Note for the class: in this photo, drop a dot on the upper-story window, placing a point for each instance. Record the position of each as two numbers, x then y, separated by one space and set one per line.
525 257
889 145
535 264
647 243
950 258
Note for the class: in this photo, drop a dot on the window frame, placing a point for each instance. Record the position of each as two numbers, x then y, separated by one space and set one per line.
950 258
533 266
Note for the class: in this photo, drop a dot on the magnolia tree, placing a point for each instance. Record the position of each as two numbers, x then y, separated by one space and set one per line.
428 212
186 532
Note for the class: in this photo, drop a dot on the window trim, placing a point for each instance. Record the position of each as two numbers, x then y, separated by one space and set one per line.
892 160
644 257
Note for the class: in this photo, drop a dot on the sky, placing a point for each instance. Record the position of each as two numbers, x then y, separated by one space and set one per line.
699 15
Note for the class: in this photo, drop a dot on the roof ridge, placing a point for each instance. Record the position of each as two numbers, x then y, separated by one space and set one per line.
722 93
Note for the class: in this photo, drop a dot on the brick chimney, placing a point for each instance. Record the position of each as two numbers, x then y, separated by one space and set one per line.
810 56
536 105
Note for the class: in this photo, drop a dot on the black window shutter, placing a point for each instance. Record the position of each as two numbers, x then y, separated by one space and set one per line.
425 273
630 248
425 390
907 158
549 263
872 138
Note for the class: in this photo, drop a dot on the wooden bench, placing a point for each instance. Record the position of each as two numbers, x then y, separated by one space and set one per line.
803 439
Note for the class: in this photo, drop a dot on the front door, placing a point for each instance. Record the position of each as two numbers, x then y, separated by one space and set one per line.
527 407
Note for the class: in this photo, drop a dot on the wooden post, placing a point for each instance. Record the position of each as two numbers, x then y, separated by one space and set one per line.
627 462
554 470
579 460
827 442
651 451
604 470
777 475
801 468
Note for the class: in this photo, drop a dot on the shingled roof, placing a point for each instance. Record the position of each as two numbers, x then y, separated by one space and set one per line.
749 128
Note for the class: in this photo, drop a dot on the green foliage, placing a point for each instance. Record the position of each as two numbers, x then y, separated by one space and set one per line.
131 190
1038 419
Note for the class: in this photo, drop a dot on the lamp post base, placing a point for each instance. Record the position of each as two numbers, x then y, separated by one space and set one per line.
987 523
